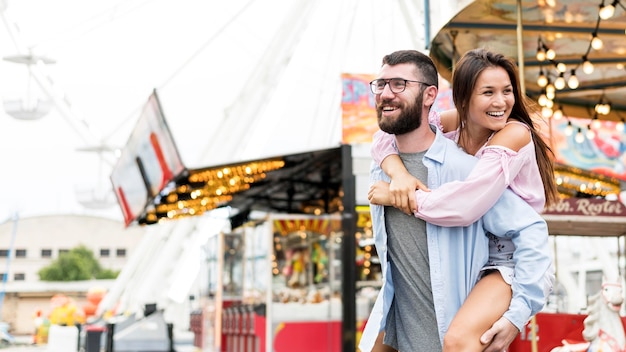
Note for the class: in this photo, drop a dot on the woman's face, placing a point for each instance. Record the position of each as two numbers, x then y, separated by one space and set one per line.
492 99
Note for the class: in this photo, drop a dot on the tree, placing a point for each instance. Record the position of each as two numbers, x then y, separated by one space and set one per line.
77 264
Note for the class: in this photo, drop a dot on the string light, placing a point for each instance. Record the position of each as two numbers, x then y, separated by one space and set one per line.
590 133
603 107
596 42
579 138
587 65
595 123
543 99
569 129
620 125
607 11
550 89
573 82
558 113
560 82
541 53
542 81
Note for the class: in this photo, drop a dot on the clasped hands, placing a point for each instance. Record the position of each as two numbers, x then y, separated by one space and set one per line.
400 193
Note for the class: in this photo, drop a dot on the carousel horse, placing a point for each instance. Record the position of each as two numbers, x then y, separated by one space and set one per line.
603 328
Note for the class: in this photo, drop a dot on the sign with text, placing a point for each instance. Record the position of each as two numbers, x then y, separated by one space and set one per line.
587 206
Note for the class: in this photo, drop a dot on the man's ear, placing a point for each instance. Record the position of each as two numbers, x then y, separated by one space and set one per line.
430 94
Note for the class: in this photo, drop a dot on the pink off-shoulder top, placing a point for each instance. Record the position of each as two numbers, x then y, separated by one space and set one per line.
461 203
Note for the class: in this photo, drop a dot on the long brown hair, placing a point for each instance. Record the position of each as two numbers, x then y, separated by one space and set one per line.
464 78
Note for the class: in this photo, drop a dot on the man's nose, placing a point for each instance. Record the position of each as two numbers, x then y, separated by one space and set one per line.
387 91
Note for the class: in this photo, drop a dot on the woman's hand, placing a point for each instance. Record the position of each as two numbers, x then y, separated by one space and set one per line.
402 192
379 193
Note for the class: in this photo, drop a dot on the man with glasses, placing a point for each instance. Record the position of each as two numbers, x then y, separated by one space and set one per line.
429 270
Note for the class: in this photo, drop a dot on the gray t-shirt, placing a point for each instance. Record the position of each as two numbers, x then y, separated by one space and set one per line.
411 322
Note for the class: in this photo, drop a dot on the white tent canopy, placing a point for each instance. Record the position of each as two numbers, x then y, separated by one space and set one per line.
237 80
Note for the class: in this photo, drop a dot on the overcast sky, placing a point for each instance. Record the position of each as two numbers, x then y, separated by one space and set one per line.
207 59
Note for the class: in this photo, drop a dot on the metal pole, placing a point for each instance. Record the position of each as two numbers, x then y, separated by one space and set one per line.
522 83
520 47
348 252
108 346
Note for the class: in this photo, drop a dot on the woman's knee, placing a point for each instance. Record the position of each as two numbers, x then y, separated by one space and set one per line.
458 341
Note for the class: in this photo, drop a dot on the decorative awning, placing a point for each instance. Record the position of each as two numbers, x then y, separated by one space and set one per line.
303 183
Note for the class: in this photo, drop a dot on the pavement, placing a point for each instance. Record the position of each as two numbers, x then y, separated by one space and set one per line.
24 344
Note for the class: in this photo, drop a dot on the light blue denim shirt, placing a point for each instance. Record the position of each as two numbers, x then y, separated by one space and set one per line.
457 254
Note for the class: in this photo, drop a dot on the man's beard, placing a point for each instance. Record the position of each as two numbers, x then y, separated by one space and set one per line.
409 120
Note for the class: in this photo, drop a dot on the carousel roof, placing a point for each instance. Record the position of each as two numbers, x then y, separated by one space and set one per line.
579 44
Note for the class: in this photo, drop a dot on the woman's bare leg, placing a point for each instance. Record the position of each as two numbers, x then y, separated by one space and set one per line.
486 303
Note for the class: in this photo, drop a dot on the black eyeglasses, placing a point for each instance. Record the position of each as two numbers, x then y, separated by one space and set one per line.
397 85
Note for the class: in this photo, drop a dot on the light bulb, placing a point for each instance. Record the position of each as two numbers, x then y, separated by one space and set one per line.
550 54
607 12
541 55
572 82
561 67
569 129
603 108
542 99
546 112
595 123
590 134
620 126
542 81
596 42
558 114
587 66
559 83
579 138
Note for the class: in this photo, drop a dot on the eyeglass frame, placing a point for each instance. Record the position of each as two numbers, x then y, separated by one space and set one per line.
388 80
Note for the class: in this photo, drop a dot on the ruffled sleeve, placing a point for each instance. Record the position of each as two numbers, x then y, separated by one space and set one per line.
460 203
383 145
434 118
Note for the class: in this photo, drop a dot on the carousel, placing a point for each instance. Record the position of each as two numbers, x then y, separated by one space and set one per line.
570 54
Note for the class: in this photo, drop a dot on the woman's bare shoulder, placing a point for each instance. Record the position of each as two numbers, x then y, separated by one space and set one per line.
513 136
449 120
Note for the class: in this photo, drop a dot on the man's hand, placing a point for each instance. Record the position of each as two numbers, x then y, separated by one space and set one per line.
402 189
499 336
379 193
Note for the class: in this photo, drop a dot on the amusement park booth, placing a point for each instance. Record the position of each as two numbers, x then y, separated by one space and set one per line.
584 217
297 269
